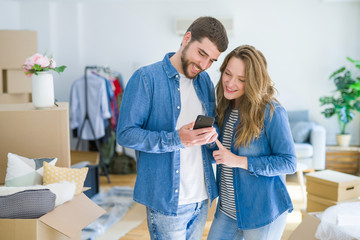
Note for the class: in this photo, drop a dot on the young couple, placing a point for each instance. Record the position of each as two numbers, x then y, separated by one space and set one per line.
252 146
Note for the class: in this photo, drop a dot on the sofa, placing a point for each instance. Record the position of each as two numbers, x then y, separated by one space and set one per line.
310 144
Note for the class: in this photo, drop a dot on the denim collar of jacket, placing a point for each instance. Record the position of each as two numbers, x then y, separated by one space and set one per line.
169 69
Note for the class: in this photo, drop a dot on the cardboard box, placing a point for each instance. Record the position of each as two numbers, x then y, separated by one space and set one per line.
92 179
84 156
7 98
34 133
306 229
319 204
64 222
332 185
15 81
1 81
16 46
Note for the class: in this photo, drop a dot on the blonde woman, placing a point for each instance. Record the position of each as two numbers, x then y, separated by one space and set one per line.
255 154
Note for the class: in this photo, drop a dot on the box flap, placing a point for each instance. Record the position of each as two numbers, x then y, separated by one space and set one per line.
306 229
70 217
83 156
332 177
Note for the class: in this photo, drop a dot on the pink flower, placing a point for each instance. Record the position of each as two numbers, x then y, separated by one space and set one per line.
39 63
38 59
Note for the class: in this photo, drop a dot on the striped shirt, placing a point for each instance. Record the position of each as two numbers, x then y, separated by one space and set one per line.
227 197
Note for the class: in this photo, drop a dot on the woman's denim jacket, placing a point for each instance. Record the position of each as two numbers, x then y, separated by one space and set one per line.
260 192
149 111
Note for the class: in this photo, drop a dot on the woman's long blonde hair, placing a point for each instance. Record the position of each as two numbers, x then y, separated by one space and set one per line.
259 93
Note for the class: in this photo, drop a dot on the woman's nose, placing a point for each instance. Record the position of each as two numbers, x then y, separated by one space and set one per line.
230 81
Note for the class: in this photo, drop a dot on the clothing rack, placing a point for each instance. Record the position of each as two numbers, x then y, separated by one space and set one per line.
86 117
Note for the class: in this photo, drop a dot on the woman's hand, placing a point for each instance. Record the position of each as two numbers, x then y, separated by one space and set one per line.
226 157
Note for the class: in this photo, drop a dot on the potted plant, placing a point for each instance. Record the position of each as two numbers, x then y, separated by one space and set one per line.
345 100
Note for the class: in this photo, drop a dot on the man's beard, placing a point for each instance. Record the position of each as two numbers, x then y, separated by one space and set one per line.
185 64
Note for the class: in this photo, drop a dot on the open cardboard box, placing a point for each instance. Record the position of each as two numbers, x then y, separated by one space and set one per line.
44 133
92 180
64 222
307 228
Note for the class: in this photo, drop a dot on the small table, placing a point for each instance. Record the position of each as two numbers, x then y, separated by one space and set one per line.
343 159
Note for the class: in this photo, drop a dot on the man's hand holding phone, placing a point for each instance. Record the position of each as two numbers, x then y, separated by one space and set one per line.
199 132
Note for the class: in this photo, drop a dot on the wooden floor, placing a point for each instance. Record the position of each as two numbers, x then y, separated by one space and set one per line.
141 231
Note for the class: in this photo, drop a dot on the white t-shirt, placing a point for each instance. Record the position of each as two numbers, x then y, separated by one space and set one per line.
192 178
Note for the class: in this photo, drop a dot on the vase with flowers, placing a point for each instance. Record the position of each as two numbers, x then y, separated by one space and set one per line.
38 67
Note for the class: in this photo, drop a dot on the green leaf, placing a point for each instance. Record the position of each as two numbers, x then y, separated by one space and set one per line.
37 67
337 72
356 85
59 69
326 100
353 61
357 63
329 112
357 106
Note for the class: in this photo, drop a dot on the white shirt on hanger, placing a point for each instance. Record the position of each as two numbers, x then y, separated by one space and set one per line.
98 106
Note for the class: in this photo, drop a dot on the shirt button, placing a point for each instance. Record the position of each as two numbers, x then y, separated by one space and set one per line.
177 76
176 190
178 89
177 171
178 107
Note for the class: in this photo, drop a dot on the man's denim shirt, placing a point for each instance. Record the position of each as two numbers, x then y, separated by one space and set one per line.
260 192
149 111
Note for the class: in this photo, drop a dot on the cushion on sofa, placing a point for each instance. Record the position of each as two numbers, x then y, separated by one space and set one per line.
27 204
23 171
301 131
298 115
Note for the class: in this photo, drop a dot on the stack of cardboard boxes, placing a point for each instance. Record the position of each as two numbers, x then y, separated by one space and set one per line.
327 188
35 133
15 47
324 189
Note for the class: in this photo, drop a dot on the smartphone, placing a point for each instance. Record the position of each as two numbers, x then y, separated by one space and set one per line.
203 122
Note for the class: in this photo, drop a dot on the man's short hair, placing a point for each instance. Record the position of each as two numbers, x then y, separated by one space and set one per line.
210 28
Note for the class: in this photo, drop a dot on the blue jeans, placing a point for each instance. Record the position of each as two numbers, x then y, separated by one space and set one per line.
187 225
225 228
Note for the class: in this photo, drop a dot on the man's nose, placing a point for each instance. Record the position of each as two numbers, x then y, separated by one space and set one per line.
205 64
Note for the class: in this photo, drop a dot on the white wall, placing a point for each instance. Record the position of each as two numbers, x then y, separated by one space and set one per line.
304 40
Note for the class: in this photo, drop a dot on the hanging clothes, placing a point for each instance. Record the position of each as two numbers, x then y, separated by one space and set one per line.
116 101
98 106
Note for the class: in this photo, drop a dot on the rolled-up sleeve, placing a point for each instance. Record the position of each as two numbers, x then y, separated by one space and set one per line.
282 159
